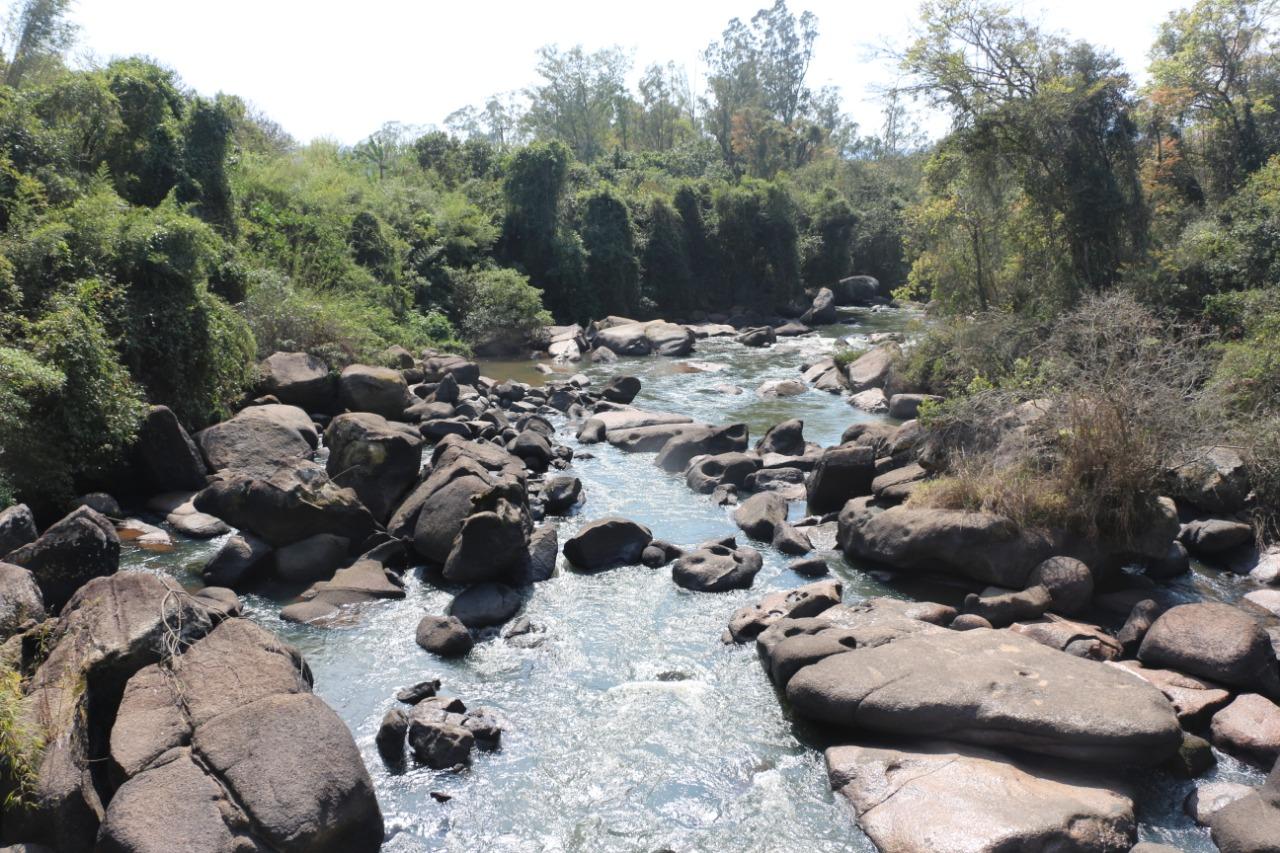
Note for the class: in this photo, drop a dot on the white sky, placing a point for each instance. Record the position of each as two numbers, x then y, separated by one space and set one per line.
323 68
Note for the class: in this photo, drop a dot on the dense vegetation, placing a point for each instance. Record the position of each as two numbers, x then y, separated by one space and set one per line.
1107 249
154 243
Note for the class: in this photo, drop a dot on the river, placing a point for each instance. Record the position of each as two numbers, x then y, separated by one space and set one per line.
632 727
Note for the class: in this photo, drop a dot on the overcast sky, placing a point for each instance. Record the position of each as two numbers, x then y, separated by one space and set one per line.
323 68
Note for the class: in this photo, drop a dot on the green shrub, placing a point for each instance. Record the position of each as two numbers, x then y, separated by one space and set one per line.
19 747
71 409
499 305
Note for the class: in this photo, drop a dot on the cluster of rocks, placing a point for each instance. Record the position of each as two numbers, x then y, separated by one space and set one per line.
950 728
440 731
607 339
152 714
1054 653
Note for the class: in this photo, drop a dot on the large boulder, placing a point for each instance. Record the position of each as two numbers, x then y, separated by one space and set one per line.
237 562
259 439
466 479
377 458
789 645
20 599
698 441
717 568
1249 727
706 474
17 528
290 505
298 379
445 636
380 390
872 369
669 338
976 545
761 515
296 802
606 543
842 473
621 389
757 336
858 290
315 558
994 688
490 545
1068 582
1213 479
939 796
823 310
1210 536
1215 641
628 339
785 439
485 604
73 551
166 457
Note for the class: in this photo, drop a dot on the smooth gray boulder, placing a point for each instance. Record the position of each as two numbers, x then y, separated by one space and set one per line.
485 604
607 542
977 545
298 379
259 439
1215 641
445 636
1251 824
761 515
381 390
842 473
17 528
993 688
20 599
717 569
697 441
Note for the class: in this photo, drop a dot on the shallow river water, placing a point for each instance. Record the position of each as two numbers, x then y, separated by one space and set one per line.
631 727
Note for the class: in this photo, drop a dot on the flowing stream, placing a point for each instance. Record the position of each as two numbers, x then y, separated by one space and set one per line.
631 727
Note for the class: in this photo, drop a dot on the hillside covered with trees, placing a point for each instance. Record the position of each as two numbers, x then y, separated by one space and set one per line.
157 242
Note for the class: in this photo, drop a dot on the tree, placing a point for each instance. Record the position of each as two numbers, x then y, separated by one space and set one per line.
1214 77
665 108
37 34
612 268
578 98
534 237
206 142
667 280
382 149
1059 113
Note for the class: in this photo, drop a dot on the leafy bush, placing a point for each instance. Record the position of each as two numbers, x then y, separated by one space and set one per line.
68 408
499 306
19 746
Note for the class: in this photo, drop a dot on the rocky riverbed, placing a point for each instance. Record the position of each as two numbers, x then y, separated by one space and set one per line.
630 718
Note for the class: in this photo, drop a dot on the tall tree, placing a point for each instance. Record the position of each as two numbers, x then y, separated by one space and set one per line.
577 101
38 32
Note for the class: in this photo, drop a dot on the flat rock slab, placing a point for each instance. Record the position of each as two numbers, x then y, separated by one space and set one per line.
943 797
994 688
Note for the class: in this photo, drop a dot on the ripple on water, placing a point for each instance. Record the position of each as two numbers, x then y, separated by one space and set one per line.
631 727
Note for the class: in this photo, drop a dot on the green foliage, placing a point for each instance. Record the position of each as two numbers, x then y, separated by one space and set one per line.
612 268
69 407
758 244
499 307
19 747
666 265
